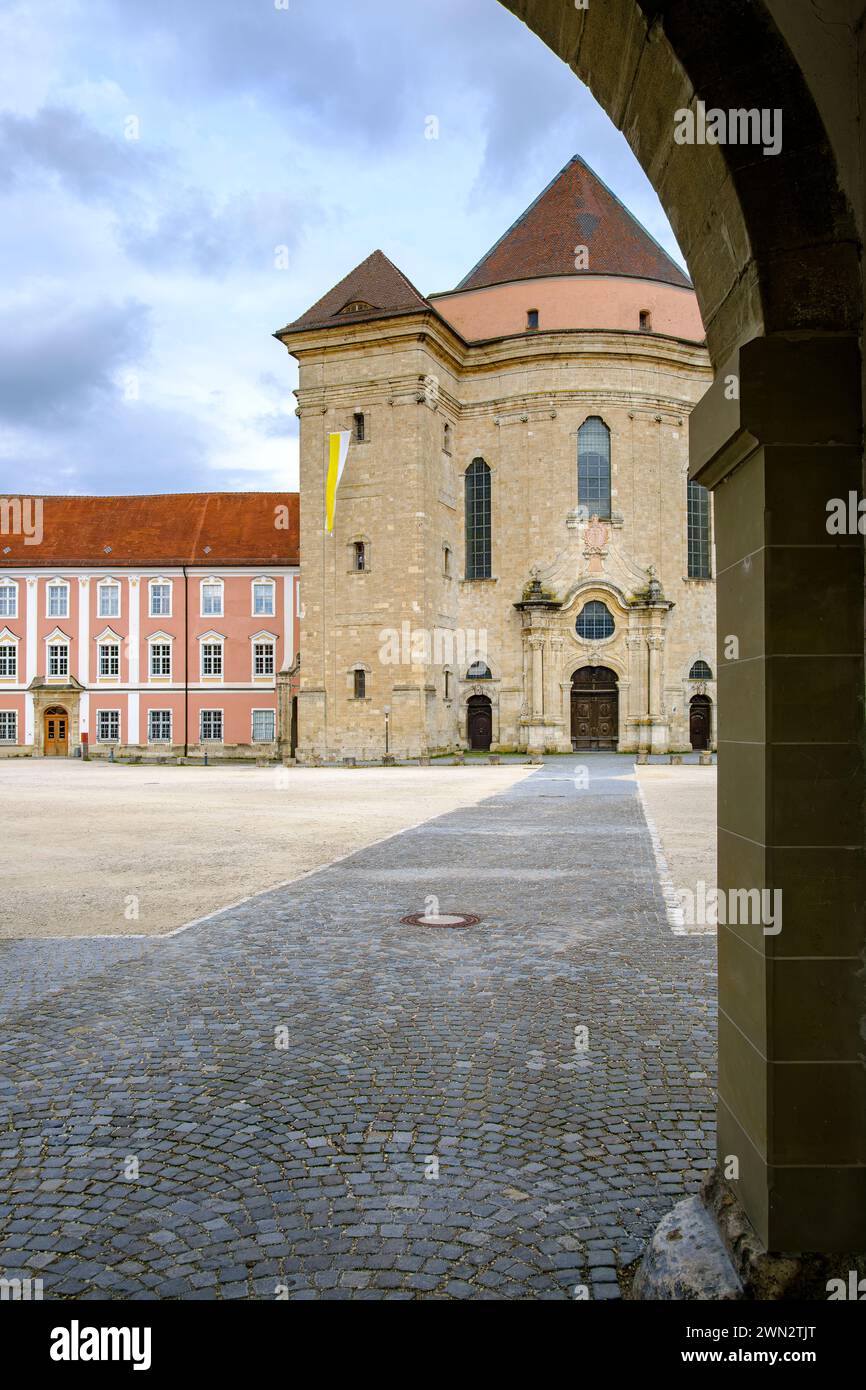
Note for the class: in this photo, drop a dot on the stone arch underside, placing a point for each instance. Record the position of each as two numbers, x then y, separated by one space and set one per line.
770 242
773 249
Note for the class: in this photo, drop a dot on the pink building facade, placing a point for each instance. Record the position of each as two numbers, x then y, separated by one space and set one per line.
172 659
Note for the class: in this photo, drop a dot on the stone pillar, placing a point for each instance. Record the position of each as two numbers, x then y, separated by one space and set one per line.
536 646
653 698
792 1084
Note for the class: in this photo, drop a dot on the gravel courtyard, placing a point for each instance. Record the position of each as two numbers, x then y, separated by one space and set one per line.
102 849
305 1098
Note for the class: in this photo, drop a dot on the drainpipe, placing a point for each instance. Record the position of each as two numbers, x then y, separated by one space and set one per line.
185 664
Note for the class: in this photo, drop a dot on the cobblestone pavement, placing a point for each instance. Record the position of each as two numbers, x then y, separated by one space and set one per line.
158 1140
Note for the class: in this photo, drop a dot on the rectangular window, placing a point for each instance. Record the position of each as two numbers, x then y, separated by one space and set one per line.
8 726
109 601
58 601
646 321
360 685
211 659
698 506
8 601
263 659
360 427
359 555
159 726
58 659
108 726
212 599
160 659
263 600
109 659
532 318
264 726
160 600
211 726
8 661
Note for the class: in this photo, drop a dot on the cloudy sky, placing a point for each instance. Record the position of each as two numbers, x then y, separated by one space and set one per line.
179 178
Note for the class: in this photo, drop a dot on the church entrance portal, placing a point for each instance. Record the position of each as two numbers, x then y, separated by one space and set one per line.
480 722
594 708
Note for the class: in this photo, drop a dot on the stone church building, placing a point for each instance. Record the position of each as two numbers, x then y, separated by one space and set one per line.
518 561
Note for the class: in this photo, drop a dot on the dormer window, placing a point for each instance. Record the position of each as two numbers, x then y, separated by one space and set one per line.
357 306
359 428
532 318
646 320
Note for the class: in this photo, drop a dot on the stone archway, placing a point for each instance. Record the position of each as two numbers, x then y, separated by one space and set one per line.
774 251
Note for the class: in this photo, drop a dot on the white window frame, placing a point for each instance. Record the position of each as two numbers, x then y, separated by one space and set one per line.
160 639
271 584
162 742
212 639
8 714
13 585
263 639
159 581
57 583
99 716
201 737
9 642
110 661
219 584
59 640
265 710
106 586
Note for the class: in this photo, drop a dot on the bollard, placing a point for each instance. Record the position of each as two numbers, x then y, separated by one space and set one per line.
643 759
675 759
494 759
706 760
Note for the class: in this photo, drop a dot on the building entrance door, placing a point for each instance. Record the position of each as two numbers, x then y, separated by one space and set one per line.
480 722
56 733
699 721
594 708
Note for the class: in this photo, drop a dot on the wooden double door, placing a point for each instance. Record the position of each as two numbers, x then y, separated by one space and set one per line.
56 741
594 708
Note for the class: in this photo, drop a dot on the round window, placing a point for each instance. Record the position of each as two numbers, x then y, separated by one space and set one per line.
594 622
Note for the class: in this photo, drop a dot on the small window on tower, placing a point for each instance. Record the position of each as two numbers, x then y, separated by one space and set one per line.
360 427
532 318
446 438
646 320
360 685
360 551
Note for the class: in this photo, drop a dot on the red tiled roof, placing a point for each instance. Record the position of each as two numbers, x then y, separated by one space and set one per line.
576 209
376 283
192 528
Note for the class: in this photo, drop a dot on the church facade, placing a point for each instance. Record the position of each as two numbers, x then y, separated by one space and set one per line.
517 561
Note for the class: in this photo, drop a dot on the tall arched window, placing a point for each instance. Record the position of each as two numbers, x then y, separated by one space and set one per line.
593 466
698 507
478 564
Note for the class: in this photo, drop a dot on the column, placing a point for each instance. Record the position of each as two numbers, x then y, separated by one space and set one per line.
536 645
32 587
792 1086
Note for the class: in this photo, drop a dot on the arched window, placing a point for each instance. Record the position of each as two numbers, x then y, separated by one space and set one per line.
479 671
700 672
593 467
478 563
698 508
594 621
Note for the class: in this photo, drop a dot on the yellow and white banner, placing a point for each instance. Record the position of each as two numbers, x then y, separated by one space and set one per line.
338 450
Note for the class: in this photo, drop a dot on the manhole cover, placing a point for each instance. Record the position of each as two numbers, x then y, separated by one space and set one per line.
440 919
